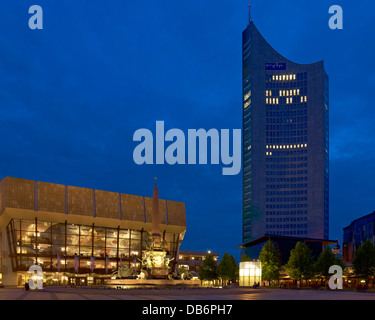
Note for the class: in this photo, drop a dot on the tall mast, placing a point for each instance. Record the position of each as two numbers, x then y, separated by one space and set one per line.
249 12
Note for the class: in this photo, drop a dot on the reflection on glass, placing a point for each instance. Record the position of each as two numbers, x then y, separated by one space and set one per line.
72 229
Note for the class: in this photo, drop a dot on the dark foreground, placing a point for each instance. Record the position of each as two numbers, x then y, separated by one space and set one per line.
58 293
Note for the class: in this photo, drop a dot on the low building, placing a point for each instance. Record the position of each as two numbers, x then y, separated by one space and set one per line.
285 244
78 236
193 260
356 234
250 273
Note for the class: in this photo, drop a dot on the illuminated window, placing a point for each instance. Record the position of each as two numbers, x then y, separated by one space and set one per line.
247 96
305 98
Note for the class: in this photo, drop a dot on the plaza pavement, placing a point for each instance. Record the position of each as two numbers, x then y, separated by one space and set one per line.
59 293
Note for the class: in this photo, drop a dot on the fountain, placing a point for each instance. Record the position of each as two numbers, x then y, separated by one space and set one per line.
155 263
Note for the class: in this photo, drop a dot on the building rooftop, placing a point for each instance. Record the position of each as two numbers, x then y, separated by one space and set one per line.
272 237
370 215
197 253
28 199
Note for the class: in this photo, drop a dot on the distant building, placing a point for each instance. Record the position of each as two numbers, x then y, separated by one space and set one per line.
356 234
78 235
285 143
193 260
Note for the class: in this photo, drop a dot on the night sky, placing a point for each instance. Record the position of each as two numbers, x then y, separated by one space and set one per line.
73 94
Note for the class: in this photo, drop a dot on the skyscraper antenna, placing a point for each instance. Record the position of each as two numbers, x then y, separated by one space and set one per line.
249 12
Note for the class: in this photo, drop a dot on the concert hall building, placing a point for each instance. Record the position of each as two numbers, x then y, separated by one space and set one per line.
285 144
78 236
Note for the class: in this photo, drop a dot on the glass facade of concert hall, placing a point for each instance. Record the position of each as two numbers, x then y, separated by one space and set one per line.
77 248
78 235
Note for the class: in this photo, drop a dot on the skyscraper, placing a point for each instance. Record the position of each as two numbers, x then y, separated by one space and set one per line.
285 143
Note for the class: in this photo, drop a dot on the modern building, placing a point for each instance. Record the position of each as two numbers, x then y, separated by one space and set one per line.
193 260
285 143
356 234
78 235
250 273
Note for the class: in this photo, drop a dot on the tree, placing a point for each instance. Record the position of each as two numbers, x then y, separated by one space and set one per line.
245 258
301 263
325 260
364 261
270 258
208 271
228 268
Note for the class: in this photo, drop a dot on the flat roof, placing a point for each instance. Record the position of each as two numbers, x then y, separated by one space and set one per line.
29 199
359 219
267 237
197 253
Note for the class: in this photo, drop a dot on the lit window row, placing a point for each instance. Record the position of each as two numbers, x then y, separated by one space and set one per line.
272 100
288 146
284 77
289 100
247 96
287 93
268 153
247 104
268 93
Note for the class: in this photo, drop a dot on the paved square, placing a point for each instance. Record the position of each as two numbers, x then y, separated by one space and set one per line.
57 293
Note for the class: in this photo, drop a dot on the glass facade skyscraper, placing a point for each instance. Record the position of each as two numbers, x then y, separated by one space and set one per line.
285 143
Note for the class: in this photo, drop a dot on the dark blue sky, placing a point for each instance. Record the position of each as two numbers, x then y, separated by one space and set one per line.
73 94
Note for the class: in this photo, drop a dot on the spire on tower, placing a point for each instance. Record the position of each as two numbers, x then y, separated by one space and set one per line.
249 12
